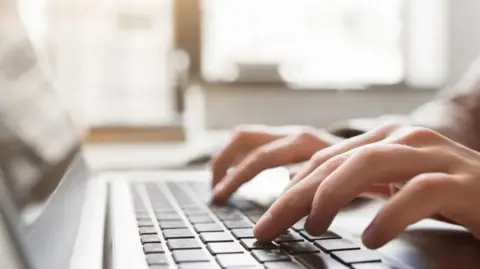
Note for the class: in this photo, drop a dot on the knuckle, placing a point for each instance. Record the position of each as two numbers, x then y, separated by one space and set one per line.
318 158
370 154
417 134
307 135
333 163
291 201
426 183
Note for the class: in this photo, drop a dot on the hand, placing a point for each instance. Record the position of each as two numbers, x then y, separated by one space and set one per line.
432 174
252 151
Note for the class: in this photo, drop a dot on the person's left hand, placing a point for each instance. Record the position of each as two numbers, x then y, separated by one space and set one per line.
430 174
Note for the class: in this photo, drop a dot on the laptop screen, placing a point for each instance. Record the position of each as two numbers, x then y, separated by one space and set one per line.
37 139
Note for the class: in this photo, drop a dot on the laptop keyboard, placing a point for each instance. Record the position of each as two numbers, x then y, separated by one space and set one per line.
187 232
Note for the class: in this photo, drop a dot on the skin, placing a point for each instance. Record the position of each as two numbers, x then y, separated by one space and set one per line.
421 172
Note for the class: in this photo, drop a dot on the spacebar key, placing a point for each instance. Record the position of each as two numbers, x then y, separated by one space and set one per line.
320 261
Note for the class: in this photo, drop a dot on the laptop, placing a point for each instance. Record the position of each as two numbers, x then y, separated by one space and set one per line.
57 214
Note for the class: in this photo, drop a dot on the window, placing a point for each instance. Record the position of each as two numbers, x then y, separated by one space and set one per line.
320 43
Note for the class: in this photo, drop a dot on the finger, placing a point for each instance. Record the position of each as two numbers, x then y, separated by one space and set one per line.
342 147
292 205
286 211
368 165
420 198
242 143
277 153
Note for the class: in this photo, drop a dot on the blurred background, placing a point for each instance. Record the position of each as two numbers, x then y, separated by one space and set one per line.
219 63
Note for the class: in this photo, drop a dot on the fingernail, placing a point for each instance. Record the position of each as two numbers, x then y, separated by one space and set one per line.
368 237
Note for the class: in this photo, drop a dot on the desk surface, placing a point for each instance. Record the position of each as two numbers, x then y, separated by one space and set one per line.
124 156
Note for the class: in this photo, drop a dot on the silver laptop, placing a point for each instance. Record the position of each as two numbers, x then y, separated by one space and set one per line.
57 214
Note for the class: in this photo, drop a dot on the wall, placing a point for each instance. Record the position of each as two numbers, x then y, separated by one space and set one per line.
225 108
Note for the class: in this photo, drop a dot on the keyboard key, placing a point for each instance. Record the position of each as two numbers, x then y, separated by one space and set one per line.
235 260
177 233
200 219
168 216
145 223
147 230
207 227
232 215
216 237
289 237
376 265
194 211
157 259
183 243
335 244
150 238
270 255
218 209
163 266
252 243
234 224
225 248
299 226
298 247
283 265
326 235
320 260
356 256
153 248
172 224
199 265
143 217
190 255
242 233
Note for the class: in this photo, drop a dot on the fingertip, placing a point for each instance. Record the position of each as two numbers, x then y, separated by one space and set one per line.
371 239
262 229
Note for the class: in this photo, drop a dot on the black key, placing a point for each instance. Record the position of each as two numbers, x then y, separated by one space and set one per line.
172 224
270 255
326 235
235 224
289 237
168 216
147 230
231 215
298 247
235 260
145 223
190 255
335 244
243 233
251 243
356 256
225 248
200 219
282 265
150 238
156 259
183 243
299 226
153 248
216 237
376 265
194 211
207 227
177 233
198 265
320 260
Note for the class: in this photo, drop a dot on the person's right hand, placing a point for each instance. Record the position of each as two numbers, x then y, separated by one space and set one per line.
252 150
